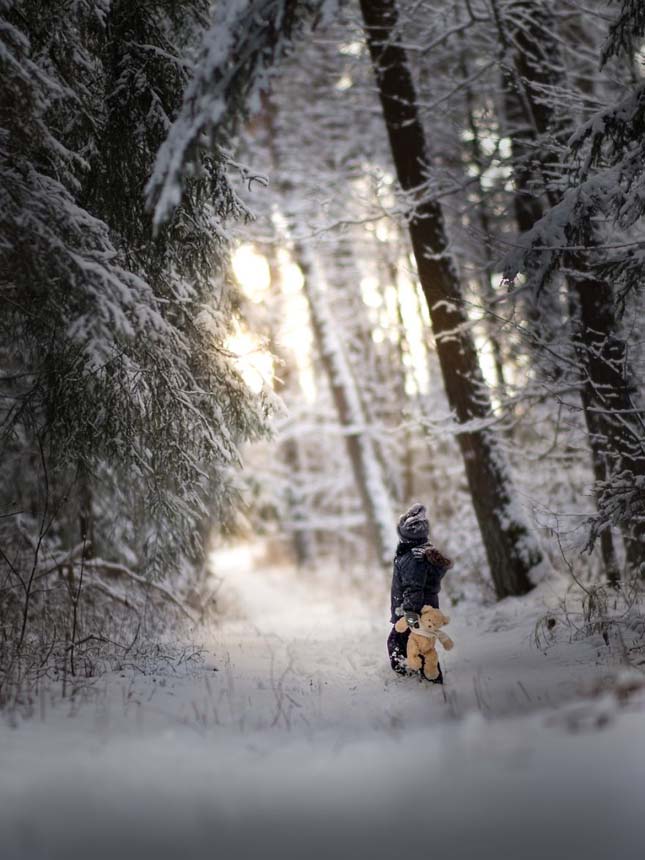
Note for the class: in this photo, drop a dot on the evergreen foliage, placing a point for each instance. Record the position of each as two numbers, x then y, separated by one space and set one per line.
590 234
122 409
121 405
239 50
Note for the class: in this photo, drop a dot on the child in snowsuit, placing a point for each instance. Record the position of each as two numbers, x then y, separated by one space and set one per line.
416 581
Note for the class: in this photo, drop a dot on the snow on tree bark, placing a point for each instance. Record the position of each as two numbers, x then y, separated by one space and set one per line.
366 466
302 535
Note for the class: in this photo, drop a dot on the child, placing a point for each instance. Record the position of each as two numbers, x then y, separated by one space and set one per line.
416 581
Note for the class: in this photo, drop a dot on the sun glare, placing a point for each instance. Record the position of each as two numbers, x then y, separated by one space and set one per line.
252 272
371 292
295 332
254 363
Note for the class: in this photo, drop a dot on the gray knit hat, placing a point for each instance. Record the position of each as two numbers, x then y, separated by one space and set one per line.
413 525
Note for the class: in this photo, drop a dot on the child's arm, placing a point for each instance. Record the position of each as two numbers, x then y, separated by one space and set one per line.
414 573
436 564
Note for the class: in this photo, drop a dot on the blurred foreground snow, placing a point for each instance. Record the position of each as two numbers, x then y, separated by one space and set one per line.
294 739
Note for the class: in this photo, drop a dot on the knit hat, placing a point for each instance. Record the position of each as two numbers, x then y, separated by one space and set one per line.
413 525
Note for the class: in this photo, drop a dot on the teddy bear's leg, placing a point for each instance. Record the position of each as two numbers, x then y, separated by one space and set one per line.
414 659
431 665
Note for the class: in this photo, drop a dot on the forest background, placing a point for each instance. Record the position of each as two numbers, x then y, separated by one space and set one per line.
379 252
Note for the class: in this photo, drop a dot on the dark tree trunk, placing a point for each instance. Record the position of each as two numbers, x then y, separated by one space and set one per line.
86 514
511 548
614 430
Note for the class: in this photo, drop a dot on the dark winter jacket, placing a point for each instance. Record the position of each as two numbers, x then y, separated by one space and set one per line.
416 581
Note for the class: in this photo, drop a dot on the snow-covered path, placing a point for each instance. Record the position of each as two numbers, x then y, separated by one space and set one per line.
294 739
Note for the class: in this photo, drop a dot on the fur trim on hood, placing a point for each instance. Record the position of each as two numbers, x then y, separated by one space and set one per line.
430 552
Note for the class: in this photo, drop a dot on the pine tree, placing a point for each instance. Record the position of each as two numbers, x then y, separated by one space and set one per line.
120 404
362 451
603 174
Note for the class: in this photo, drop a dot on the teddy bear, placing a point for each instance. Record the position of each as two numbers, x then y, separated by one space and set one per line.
422 653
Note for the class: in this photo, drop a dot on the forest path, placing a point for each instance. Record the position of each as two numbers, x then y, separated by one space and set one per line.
294 739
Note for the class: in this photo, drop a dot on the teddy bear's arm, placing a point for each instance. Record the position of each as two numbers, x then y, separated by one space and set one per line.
401 625
445 640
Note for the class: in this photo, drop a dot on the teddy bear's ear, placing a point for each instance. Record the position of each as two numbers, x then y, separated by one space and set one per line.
446 618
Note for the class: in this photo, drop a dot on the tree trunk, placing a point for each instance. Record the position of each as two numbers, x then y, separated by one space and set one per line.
302 537
360 354
365 456
511 548
614 429
402 346
365 463
483 216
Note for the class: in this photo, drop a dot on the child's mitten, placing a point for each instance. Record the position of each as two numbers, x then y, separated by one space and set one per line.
412 619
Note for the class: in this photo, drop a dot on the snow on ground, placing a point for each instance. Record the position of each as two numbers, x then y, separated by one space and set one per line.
294 739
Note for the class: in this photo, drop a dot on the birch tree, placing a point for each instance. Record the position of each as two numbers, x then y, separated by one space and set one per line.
366 465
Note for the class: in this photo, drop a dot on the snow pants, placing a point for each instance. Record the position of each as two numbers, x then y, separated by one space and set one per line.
397 647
